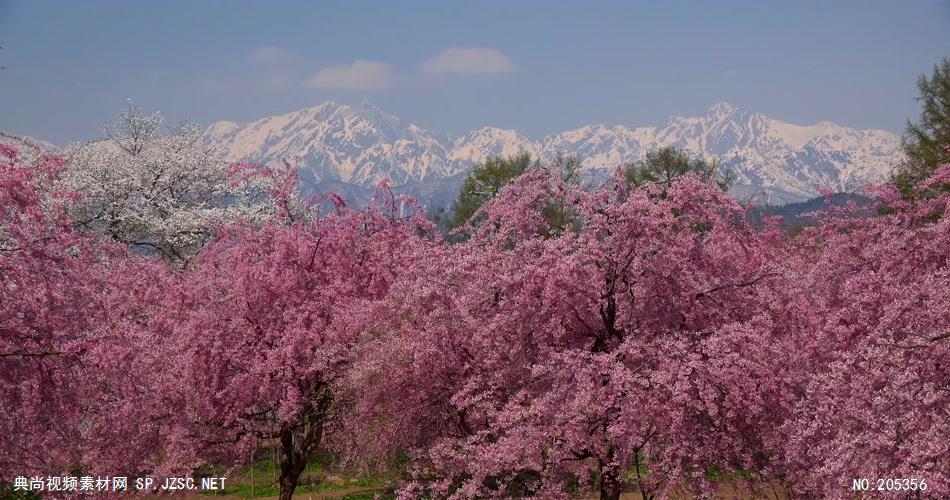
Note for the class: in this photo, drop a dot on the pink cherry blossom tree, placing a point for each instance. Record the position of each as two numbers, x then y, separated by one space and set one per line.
262 332
529 362
649 338
78 363
50 287
868 304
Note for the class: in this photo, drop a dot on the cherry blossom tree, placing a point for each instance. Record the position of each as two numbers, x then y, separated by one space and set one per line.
83 340
159 191
658 339
49 300
115 364
868 305
523 362
262 329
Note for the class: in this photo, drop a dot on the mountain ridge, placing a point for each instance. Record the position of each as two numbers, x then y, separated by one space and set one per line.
775 161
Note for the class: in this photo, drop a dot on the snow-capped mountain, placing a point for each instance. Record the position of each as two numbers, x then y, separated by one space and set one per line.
351 148
480 144
357 145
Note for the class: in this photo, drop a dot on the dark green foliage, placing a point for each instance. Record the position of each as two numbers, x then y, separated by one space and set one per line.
7 492
561 216
483 183
566 167
487 179
925 143
666 164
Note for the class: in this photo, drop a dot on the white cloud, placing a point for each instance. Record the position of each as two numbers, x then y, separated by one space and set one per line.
359 75
271 55
468 61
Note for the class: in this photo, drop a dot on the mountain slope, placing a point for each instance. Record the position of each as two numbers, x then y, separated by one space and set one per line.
776 162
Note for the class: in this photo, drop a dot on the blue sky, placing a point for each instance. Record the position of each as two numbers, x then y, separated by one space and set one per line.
538 67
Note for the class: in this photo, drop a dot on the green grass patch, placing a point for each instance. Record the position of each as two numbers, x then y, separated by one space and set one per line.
321 475
7 492
719 475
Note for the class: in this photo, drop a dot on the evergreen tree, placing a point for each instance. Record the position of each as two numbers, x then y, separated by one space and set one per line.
666 164
487 179
925 142
484 182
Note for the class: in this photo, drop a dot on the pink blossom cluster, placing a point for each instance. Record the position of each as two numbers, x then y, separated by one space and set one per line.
662 341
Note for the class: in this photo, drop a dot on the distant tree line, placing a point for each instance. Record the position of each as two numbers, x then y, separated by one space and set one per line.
486 180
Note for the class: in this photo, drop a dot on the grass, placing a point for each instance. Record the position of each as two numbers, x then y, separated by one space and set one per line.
368 495
718 475
322 475
7 493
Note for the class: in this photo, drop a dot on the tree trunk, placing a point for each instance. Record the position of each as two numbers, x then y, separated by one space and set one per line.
610 487
292 463
297 441
288 483
610 481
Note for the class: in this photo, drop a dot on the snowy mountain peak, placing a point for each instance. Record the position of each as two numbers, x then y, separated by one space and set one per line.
350 148
370 112
321 111
484 142
721 109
